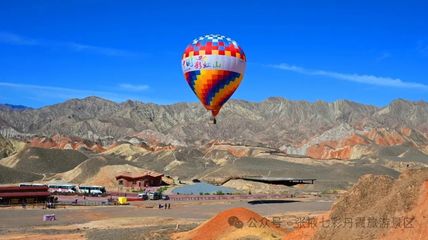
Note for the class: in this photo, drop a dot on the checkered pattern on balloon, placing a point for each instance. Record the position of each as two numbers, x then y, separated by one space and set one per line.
213 66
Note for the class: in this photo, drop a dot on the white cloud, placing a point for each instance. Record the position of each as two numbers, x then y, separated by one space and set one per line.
133 87
98 50
422 47
14 39
10 38
53 92
359 78
383 56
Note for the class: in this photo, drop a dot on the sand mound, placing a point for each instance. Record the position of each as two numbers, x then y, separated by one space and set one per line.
83 171
378 207
126 149
10 175
87 169
39 160
234 150
100 170
235 223
106 175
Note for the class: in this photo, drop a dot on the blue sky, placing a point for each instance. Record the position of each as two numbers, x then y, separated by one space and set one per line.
365 51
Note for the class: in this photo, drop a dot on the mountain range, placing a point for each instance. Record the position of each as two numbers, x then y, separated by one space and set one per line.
319 129
89 140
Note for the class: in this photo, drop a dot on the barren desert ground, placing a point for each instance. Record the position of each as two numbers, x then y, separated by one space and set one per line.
137 221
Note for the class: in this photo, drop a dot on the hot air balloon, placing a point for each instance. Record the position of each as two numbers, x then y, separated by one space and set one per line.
213 66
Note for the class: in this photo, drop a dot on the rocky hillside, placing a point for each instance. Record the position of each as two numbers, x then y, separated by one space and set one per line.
89 140
214 162
320 130
381 208
6 147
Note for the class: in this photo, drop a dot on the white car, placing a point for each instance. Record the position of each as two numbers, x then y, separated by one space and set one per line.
143 196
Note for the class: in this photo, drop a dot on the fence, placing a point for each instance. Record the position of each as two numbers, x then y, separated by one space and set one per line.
84 203
227 197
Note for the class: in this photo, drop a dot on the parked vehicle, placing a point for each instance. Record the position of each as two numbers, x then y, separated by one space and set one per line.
165 197
122 201
154 195
92 190
143 196
62 188
33 185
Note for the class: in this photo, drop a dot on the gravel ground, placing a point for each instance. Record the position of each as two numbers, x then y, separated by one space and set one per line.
72 220
149 233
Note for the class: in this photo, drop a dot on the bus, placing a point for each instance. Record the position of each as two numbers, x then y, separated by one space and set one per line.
62 188
33 185
92 190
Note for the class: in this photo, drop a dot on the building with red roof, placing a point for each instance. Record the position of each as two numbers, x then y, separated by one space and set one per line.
139 180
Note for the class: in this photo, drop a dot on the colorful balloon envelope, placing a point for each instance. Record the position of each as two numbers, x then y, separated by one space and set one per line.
213 66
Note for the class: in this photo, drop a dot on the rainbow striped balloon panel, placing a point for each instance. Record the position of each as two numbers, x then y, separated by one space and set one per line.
213 66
